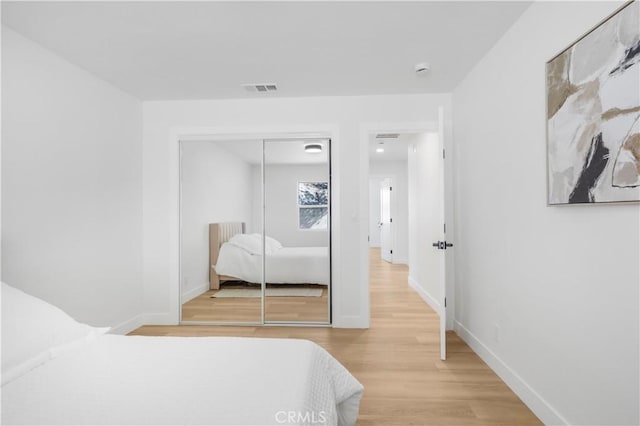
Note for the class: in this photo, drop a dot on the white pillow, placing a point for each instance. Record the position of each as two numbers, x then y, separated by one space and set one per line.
34 331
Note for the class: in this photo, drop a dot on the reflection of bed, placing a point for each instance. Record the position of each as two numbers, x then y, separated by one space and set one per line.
58 371
236 256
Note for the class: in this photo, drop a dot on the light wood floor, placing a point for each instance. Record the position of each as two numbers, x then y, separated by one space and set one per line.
205 308
397 361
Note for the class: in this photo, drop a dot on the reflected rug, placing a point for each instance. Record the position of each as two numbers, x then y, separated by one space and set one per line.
270 292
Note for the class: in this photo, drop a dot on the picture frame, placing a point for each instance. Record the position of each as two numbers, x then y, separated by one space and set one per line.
593 114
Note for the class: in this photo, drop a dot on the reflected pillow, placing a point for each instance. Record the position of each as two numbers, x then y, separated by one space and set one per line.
252 243
272 244
34 331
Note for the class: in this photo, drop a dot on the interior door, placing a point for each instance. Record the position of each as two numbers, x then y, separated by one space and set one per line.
427 178
374 212
386 250
297 224
443 245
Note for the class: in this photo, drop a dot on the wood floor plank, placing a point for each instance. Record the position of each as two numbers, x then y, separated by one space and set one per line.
398 361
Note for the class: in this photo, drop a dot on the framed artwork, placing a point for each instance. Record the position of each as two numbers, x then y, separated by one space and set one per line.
593 114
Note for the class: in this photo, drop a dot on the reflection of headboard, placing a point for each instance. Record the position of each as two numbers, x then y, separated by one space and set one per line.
220 233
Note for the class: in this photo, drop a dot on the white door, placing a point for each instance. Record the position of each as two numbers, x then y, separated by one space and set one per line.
442 244
374 211
386 249
426 223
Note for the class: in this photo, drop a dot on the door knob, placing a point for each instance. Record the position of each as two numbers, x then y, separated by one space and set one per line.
442 245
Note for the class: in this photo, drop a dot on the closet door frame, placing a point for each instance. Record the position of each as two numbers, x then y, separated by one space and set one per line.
180 136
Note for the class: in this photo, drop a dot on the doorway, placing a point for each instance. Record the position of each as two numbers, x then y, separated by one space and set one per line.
422 179
388 197
386 220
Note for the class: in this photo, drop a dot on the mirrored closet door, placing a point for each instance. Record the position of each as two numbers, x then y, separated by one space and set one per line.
221 231
240 199
297 231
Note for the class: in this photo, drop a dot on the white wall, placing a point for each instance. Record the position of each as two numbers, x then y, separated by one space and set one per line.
281 198
347 119
71 186
399 206
425 219
217 186
547 295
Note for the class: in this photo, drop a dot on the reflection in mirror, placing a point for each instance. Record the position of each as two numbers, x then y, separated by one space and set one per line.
221 228
297 224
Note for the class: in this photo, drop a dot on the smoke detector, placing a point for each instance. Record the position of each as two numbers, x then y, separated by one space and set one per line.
422 68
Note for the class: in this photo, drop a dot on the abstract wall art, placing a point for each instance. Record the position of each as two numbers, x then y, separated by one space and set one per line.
593 114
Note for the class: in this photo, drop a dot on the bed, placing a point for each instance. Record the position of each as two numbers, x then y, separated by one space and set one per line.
58 371
236 256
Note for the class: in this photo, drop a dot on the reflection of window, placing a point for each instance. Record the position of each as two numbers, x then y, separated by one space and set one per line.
313 202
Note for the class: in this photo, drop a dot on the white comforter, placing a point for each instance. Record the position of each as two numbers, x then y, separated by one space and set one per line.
185 381
287 265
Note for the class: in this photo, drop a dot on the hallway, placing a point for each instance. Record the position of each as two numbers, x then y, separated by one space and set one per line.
397 360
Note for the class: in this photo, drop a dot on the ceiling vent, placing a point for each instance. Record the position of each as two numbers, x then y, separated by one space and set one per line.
260 88
387 135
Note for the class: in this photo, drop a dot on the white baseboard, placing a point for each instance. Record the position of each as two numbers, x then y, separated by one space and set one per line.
403 260
194 292
143 319
526 393
164 318
129 325
433 303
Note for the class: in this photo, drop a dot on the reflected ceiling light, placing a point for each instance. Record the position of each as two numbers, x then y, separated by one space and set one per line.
313 148
379 150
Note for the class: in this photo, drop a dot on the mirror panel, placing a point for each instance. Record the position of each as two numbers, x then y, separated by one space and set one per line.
297 230
221 231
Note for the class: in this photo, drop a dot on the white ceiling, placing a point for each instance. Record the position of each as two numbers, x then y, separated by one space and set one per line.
204 50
